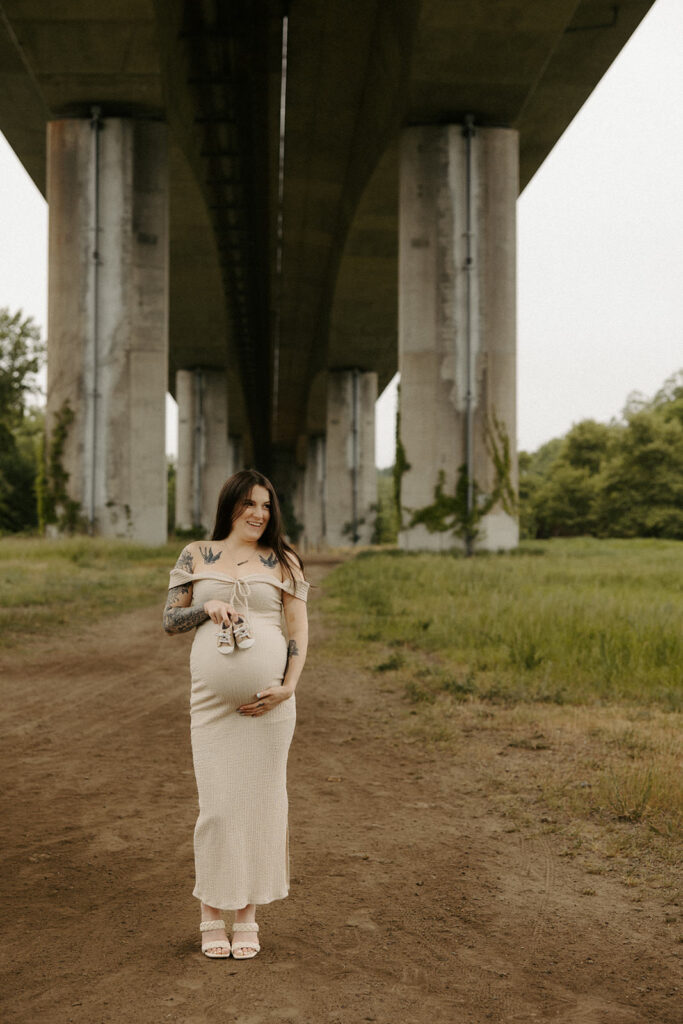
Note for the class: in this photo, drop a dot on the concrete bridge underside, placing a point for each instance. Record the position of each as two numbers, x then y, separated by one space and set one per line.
274 282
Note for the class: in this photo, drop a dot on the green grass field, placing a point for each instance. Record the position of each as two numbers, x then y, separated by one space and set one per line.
570 646
52 585
560 621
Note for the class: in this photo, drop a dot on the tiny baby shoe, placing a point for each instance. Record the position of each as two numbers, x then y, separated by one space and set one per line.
226 640
244 638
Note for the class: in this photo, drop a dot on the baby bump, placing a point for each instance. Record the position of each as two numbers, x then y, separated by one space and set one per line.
237 676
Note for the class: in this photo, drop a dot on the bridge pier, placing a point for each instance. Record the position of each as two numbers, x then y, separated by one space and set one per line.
457 337
107 191
237 459
205 452
312 500
351 476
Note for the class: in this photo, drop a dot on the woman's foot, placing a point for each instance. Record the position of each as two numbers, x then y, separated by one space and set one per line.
215 934
247 915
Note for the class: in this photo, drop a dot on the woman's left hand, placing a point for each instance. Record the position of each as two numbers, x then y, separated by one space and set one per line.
265 700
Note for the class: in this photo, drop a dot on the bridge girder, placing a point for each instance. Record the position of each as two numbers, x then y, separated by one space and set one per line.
358 72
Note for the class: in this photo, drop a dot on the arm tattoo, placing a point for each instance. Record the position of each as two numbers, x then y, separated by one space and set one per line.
270 561
178 619
181 620
208 555
185 560
292 651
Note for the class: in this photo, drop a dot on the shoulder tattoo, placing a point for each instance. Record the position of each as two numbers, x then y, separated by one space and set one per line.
185 560
208 555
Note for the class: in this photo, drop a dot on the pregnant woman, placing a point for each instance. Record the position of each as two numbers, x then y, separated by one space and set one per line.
238 590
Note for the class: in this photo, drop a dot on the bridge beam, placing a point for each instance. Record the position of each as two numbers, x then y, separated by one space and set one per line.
107 190
351 475
205 452
457 338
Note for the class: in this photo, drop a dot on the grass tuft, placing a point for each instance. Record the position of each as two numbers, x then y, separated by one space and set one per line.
628 794
392 664
416 694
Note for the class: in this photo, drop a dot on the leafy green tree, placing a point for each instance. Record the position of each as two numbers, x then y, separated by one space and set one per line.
533 471
586 446
564 500
641 491
19 456
564 503
21 356
619 479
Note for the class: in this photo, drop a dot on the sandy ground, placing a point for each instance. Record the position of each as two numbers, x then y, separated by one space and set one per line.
412 898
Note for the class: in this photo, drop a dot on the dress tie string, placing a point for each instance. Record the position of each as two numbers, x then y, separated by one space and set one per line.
240 592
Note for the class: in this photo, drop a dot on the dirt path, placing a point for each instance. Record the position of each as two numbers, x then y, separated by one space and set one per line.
411 899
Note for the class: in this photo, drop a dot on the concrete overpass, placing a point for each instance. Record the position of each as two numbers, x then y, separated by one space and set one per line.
268 208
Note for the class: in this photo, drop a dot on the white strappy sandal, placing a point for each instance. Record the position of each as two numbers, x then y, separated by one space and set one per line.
244 926
209 926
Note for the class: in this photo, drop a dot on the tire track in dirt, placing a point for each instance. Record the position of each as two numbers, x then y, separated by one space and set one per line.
411 900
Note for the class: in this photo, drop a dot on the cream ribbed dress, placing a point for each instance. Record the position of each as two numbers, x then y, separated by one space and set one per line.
241 839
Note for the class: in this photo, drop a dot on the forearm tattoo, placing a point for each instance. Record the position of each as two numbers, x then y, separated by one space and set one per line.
178 619
292 651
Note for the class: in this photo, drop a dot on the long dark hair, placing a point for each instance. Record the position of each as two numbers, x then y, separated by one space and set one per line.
232 499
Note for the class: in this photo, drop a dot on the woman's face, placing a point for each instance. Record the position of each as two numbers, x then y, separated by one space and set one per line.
252 520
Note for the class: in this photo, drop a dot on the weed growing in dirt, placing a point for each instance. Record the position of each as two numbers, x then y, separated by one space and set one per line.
392 663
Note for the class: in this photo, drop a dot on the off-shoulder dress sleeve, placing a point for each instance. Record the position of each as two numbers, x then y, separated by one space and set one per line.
178 577
297 588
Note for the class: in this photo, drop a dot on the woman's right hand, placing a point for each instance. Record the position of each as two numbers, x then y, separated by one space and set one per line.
220 612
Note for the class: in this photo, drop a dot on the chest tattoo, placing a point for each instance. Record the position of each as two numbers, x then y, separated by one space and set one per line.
208 555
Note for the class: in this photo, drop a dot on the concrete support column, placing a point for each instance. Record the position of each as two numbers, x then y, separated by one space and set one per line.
313 494
236 447
457 339
107 190
204 450
351 476
298 504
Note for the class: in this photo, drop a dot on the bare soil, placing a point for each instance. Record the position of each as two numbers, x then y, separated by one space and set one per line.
413 897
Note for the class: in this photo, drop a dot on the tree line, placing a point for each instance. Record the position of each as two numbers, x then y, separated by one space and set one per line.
618 479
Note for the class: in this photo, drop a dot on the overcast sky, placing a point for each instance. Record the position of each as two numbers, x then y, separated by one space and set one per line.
600 248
